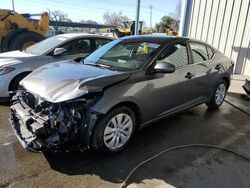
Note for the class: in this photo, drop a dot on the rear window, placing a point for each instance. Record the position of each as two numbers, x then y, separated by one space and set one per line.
199 52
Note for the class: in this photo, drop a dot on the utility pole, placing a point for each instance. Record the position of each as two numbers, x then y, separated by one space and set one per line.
13 5
137 17
150 7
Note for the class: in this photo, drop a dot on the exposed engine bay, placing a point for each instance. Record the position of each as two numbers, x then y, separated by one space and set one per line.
41 125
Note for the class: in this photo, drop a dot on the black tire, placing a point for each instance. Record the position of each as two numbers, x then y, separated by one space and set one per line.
18 42
14 84
7 39
97 139
212 104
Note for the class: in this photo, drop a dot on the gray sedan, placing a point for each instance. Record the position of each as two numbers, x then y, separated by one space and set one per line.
124 85
15 65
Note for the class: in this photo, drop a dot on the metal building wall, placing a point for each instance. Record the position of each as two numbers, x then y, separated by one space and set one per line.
225 24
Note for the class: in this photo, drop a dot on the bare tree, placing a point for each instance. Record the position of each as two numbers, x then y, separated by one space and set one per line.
114 18
176 16
59 16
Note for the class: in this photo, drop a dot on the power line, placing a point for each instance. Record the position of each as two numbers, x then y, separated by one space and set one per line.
79 7
83 8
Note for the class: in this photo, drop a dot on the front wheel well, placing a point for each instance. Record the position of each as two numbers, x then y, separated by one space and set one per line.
134 107
17 79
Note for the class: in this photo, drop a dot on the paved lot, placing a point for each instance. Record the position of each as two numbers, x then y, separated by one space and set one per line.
192 167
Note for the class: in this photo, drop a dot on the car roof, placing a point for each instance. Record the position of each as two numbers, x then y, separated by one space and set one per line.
152 38
161 39
79 35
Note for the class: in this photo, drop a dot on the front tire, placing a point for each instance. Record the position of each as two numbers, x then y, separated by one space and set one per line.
114 131
218 96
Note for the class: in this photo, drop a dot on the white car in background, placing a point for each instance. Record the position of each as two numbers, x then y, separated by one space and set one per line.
15 65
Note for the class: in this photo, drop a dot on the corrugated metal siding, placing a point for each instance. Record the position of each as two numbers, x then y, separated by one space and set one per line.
225 24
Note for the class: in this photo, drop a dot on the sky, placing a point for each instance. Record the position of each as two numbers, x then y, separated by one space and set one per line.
78 10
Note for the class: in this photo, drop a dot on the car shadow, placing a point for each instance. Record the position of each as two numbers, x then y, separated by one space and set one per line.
5 104
193 126
115 167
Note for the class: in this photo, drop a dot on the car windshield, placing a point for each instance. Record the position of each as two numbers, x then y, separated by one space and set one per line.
122 56
45 45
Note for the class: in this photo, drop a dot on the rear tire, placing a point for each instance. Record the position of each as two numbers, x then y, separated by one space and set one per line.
113 131
24 39
218 96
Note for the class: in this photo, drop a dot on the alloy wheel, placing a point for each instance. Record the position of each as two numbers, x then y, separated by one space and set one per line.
118 131
220 94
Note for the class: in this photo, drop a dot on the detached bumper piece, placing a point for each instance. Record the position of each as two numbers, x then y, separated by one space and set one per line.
22 123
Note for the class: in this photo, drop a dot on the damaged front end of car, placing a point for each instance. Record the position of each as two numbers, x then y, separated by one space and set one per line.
41 125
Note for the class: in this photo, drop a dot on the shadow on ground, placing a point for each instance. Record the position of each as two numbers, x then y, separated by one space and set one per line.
186 167
4 103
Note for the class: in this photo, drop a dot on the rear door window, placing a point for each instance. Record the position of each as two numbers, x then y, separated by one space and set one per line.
199 52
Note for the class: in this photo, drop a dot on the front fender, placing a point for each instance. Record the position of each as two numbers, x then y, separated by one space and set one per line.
124 92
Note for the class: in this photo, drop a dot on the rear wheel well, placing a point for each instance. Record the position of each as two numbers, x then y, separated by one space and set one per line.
226 79
14 82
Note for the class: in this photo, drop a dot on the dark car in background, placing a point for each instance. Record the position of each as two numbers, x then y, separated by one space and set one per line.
124 85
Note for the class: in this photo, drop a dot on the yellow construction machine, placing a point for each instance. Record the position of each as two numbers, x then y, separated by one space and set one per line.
18 31
127 28
170 32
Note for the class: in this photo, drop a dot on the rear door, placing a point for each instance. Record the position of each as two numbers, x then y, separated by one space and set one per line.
204 67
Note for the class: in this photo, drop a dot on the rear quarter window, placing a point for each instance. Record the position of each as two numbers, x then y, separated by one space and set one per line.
210 52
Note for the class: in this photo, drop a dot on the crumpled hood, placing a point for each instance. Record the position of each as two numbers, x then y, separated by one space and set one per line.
13 57
66 80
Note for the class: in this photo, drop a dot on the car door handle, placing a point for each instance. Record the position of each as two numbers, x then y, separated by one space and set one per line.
189 75
218 66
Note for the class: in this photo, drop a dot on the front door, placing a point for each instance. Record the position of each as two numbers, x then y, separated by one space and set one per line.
173 91
77 48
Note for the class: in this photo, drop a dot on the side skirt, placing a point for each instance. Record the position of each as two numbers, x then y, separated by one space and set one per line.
168 114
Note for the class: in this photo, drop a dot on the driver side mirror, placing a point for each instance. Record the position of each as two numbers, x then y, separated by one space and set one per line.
163 67
59 51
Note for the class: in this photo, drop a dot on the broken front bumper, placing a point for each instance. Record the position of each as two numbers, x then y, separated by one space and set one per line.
49 126
25 123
